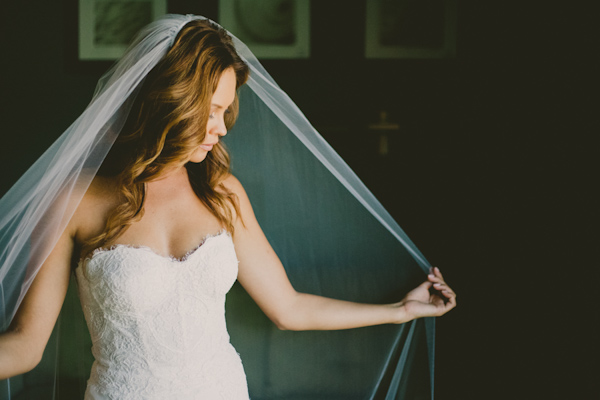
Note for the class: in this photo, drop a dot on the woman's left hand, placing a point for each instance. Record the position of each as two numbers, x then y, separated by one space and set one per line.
424 302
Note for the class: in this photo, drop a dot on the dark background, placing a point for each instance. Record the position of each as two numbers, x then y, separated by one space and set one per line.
492 174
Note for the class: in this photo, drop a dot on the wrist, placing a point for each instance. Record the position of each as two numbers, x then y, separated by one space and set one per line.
400 313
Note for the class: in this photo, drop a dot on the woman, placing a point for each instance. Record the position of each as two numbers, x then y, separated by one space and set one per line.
164 197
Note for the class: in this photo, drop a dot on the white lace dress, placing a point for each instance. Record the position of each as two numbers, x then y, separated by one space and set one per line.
158 324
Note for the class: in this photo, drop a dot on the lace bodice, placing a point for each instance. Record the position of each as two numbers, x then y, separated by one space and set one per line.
158 323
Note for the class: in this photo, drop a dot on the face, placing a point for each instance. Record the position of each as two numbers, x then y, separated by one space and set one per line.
220 102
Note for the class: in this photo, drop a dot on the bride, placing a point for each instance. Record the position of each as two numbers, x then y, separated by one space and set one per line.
161 233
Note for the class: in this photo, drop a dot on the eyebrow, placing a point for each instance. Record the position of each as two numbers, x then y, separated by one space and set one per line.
217 105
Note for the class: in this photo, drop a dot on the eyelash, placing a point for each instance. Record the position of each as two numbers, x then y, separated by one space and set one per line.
212 115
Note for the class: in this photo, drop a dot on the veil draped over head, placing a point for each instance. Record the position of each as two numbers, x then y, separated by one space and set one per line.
333 237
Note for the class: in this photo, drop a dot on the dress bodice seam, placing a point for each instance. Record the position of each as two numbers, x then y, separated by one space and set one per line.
148 249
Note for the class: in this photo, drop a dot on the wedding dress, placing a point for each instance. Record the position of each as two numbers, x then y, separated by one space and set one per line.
158 323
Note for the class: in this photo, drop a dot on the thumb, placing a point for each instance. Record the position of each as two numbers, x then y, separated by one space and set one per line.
426 285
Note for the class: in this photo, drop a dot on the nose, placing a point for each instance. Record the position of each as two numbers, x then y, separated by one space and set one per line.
219 128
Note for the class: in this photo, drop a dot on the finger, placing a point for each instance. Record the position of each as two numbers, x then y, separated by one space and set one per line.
444 289
451 302
435 271
426 284
448 305
438 286
447 287
438 283
442 286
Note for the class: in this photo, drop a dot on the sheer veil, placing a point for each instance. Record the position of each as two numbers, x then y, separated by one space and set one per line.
332 235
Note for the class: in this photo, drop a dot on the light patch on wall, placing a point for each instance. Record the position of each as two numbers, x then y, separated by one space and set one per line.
270 28
411 29
106 27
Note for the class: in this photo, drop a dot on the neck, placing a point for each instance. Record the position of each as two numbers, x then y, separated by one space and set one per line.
176 172
170 179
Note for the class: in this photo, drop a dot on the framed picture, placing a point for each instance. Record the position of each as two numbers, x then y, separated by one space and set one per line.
271 29
106 27
411 29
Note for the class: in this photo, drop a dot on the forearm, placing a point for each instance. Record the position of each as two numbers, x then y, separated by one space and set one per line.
16 357
311 312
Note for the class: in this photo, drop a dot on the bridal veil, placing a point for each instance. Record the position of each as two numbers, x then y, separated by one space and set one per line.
332 235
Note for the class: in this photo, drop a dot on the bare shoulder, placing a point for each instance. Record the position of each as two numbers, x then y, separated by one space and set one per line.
103 192
101 197
232 184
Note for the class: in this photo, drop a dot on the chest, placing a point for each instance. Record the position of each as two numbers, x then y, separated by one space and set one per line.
172 223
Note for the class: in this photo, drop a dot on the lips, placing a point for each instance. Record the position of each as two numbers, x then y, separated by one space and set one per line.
207 146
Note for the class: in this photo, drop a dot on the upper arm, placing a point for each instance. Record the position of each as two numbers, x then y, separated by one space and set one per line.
40 307
260 271
37 314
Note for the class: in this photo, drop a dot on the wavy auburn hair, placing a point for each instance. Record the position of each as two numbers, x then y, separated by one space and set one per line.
168 122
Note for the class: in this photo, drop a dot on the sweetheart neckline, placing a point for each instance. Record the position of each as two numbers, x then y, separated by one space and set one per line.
148 249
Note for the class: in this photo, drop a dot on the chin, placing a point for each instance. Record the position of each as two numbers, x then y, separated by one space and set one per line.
198 156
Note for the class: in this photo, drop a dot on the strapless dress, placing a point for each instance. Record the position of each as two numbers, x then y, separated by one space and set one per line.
158 323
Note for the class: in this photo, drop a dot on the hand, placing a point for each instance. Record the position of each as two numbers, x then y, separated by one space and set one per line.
423 302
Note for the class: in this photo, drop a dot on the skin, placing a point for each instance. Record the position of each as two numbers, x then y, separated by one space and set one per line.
174 222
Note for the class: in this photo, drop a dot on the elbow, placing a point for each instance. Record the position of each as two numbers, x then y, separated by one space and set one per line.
17 356
16 369
281 323
281 326
28 362
32 355
288 321
23 366
284 325
34 360
291 315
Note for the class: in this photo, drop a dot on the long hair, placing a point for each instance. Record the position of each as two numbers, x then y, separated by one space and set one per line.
168 122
